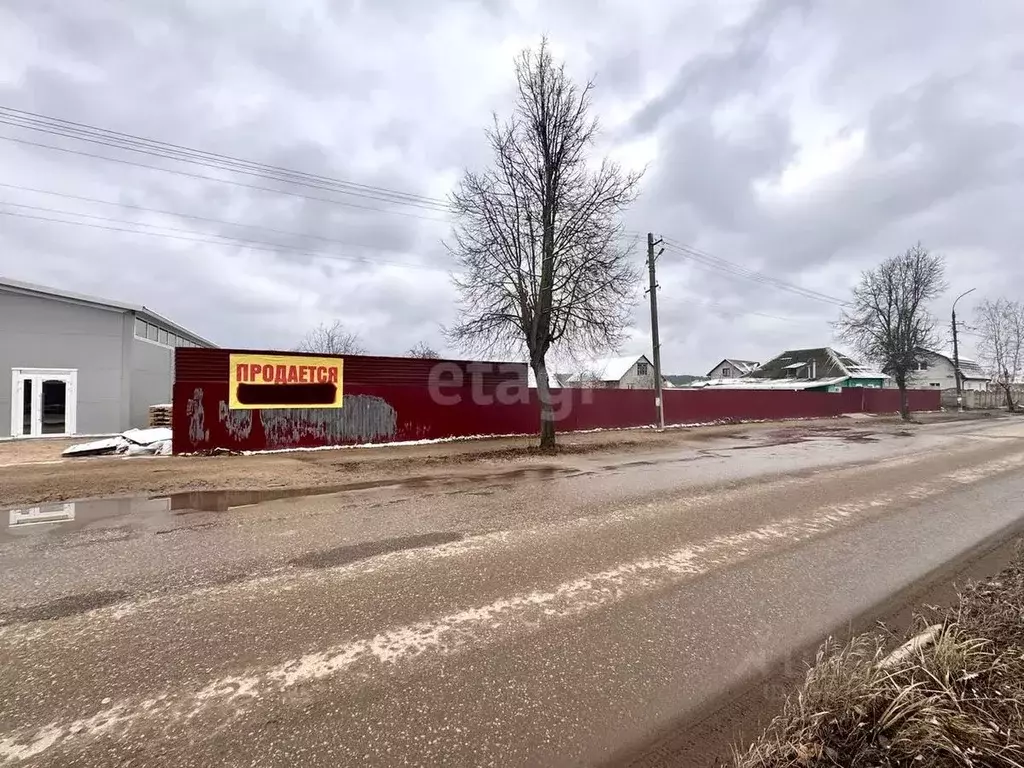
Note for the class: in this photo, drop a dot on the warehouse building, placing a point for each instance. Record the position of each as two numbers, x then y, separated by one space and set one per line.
78 365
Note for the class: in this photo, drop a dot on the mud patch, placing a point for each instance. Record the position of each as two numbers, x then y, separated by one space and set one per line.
330 558
61 608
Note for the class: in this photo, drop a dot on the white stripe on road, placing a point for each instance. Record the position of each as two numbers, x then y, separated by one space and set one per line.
479 625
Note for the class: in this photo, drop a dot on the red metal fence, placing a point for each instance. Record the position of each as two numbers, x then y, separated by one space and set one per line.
402 399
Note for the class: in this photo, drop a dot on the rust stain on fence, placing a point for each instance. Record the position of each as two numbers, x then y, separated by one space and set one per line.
363 418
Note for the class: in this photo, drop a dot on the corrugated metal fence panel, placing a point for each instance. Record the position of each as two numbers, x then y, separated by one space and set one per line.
196 364
389 400
888 400
698 406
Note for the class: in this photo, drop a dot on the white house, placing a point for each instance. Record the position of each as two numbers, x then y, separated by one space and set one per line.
935 371
634 372
732 368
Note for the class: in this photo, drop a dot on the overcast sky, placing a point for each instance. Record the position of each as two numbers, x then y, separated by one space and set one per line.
806 140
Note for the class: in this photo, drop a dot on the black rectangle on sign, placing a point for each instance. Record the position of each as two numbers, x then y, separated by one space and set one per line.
296 395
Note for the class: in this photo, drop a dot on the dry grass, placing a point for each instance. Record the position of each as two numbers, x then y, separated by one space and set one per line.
956 701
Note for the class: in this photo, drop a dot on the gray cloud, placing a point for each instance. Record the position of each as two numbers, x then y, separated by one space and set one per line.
805 140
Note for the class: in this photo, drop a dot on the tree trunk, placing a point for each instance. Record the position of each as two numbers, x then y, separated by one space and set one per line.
547 412
904 404
1009 399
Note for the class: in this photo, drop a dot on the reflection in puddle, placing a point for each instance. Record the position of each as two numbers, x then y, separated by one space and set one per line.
222 501
47 513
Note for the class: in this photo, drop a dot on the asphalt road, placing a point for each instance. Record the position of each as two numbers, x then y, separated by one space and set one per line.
547 614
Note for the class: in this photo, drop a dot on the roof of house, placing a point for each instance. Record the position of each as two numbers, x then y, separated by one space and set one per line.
828 363
742 367
34 289
748 382
607 368
969 369
681 380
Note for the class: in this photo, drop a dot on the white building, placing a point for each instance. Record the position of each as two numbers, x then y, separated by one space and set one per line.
935 371
633 372
732 368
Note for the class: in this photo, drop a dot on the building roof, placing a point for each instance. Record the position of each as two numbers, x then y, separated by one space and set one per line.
748 382
969 369
680 380
607 368
827 364
742 367
34 289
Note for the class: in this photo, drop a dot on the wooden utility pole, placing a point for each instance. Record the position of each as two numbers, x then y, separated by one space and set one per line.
652 257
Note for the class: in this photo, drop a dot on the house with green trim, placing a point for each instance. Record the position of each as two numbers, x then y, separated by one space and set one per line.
821 369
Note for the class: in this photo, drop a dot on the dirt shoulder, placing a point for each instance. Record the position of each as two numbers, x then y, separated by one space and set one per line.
983 587
950 694
33 471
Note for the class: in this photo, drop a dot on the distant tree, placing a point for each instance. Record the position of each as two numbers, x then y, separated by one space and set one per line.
331 339
888 320
1001 325
424 350
537 239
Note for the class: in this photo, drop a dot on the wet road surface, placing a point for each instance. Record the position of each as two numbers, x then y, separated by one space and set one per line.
537 614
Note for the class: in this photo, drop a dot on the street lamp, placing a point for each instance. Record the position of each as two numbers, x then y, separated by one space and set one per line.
956 355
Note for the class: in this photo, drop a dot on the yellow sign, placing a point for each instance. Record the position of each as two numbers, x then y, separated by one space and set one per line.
285 381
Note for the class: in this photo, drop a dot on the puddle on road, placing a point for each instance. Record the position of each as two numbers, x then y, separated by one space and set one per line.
189 502
93 519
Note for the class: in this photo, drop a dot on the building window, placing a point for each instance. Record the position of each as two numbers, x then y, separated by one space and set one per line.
641 369
165 337
727 373
140 328
922 365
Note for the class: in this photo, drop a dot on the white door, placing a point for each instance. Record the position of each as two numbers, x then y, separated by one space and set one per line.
44 401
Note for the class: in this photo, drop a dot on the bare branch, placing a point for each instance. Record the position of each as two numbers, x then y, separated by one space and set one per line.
331 339
423 350
1001 325
537 238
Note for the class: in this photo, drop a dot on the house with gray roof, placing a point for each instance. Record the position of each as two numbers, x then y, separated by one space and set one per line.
935 370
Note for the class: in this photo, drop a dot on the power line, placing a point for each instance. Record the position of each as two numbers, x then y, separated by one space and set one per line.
195 217
735 270
223 240
134 143
746 313
204 177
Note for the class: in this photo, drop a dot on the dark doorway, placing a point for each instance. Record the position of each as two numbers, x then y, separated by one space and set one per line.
54 407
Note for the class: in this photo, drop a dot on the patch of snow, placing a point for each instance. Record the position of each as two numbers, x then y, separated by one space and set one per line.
135 442
147 436
95 447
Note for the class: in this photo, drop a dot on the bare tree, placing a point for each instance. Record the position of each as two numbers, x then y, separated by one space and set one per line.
537 240
1001 324
423 350
888 320
331 339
